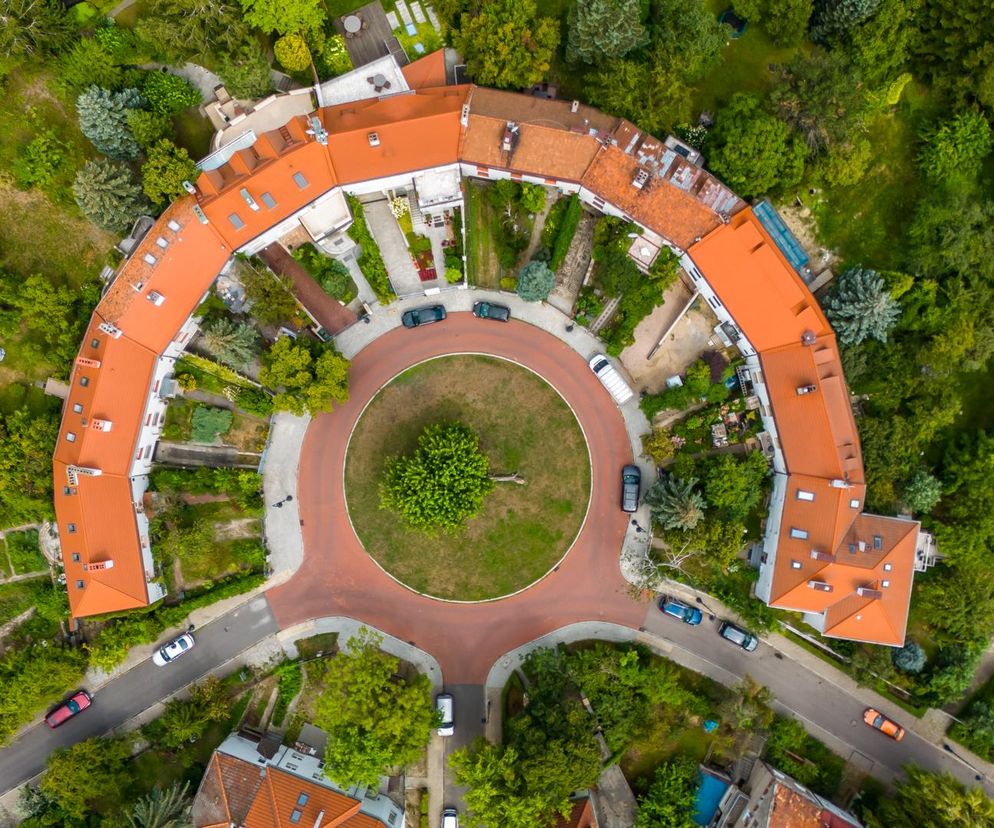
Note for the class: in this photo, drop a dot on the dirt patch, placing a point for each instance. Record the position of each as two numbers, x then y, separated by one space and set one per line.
240 528
247 433
524 426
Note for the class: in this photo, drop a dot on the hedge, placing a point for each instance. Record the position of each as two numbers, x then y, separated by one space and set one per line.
370 261
570 220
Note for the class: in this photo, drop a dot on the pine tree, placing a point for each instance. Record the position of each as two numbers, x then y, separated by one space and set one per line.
535 282
108 195
923 491
861 307
835 17
103 118
233 343
675 504
604 30
162 809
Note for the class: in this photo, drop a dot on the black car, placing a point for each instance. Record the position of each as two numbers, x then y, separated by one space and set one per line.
732 632
631 483
484 310
423 316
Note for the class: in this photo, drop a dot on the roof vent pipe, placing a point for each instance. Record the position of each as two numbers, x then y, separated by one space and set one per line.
574 107
808 338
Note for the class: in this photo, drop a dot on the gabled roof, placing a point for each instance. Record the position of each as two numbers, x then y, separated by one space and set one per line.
674 213
413 132
426 72
817 428
529 109
539 150
790 808
761 291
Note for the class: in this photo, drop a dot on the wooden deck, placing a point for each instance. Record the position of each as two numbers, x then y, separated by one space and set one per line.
374 40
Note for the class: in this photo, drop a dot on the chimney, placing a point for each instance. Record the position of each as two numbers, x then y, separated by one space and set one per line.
96 567
821 586
574 107
200 214
826 557
374 139
806 389
868 592
640 180
111 330
100 425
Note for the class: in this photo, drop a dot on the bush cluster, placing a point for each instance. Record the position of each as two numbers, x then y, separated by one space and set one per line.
370 261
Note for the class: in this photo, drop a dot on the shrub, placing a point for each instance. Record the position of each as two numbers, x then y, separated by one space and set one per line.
508 283
166 170
148 127
209 423
335 57
910 658
370 261
292 53
88 64
291 680
566 231
535 282
168 94
245 73
40 161
453 275
253 400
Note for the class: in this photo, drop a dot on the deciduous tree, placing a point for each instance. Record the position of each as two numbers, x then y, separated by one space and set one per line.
375 720
604 30
168 94
108 195
163 174
443 483
753 151
79 775
734 485
861 307
955 149
669 802
786 21
284 16
307 376
925 798
292 53
507 44
245 72
179 29
88 64
535 282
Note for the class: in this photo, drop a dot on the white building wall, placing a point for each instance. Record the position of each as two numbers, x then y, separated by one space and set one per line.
771 539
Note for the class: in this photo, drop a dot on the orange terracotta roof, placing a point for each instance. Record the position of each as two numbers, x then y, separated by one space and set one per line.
97 523
183 258
580 816
761 291
528 109
236 792
817 429
791 809
540 150
413 132
670 211
426 72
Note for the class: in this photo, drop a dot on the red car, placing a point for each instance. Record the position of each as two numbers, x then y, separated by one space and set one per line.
76 703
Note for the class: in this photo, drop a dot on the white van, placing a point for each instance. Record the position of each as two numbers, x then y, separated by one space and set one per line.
611 379
445 705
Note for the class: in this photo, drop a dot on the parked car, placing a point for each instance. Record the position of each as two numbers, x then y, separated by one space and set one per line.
610 378
878 721
744 639
678 609
423 316
484 310
450 818
173 650
631 485
445 705
65 710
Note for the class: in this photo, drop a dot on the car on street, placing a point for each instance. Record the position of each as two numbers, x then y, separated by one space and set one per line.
65 710
484 310
173 650
631 485
450 818
416 317
878 721
738 636
445 705
678 609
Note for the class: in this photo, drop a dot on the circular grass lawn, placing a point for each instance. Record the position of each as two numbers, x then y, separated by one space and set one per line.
524 426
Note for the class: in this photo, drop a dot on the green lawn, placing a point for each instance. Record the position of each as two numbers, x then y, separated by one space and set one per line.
522 530
24 554
179 421
483 268
193 132
19 596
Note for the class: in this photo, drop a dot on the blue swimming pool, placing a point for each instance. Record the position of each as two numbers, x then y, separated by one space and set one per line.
709 794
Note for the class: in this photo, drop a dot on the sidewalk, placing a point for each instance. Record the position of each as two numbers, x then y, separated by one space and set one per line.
279 490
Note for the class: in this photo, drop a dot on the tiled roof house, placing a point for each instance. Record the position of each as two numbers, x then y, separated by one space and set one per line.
849 571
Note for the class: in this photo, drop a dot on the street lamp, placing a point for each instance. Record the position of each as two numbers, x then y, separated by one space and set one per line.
711 612
638 529
949 749
279 504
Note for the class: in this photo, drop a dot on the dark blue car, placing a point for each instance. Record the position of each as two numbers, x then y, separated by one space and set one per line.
678 609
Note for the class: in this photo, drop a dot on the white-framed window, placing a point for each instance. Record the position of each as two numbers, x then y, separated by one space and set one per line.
800 534
795 564
804 494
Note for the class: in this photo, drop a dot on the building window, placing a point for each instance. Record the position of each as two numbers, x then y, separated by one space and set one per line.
854 503
236 221
392 819
79 584
299 180
75 557
295 815
66 490
268 200
302 800
795 564
77 408
800 534
803 494
70 437
878 542
84 381
71 528
94 343
888 567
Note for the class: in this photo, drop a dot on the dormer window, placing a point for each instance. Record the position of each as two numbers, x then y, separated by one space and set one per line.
878 542
268 200
149 259
155 297
803 494
374 139
300 180
162 242
800 534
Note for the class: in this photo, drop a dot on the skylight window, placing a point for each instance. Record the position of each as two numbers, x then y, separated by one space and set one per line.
854 503
795 564
268 200
71 528
803 494
162 242
300 180
236 221
295 815
94 343
70 437
885 584
148 258
75 557
77 408
800 534
302 799
80 584
84 381
888 567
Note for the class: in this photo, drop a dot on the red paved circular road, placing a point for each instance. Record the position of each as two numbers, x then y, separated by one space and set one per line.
338 577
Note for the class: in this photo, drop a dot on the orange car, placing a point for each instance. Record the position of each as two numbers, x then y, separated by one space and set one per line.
876 719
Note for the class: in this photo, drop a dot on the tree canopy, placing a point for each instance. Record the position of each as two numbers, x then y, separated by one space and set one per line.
604 29
108 195
103 118
163 174
305 375
375 721
535 282
284 16
670 800
861 307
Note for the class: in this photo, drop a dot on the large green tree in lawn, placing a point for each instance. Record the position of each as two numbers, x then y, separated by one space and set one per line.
163 174
733 485
604 30
786 21
103 118
306 376
669 802
284 16
443 483
507 44
535 282
752 151
375 722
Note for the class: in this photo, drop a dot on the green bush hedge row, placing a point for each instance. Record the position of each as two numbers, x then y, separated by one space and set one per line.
370 262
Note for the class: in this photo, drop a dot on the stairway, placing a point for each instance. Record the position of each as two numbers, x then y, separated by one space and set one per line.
417 218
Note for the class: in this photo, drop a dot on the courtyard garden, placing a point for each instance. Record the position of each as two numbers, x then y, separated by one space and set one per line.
523 526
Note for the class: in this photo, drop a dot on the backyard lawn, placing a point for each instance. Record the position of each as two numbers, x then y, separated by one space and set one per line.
522 530
483 268
23 553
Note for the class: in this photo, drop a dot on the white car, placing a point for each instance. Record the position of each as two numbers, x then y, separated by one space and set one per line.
450 818
445 705
173 650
